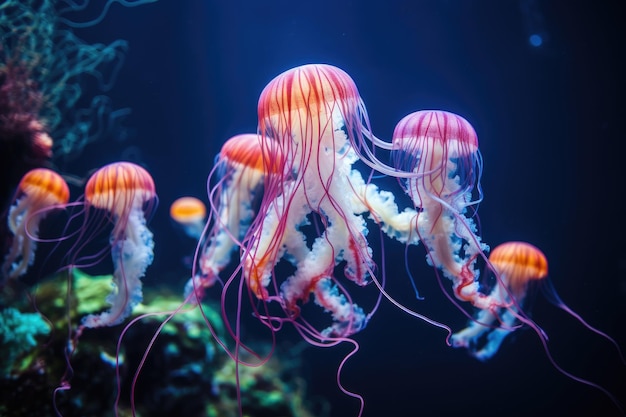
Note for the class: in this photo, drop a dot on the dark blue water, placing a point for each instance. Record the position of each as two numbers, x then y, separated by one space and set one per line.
550 122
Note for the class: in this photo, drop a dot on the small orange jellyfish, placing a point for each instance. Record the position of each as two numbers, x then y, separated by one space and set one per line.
39 191
517 264
124 190
190 213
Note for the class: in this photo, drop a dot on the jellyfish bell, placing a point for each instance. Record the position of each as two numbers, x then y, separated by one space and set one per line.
123 190
245 149
120 188
186 210
39 191
248 161
190 213
314 91
437 145
306 105
44 188
519 264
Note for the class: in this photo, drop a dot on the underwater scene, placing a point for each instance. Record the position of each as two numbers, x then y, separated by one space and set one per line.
332 208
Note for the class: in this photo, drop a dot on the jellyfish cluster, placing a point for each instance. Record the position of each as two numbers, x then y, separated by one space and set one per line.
292 208
287 229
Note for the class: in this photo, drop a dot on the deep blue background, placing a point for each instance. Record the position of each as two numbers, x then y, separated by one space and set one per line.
550 122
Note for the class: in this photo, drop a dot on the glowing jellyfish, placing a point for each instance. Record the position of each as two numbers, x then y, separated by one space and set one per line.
517 265
39 191
190 213
310 113
440 149
235 186
124 190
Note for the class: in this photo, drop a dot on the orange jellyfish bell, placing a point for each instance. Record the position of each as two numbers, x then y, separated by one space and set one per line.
310 104
307 87
244 149
187 210
518 263
189 213
252 158
118 187
44 187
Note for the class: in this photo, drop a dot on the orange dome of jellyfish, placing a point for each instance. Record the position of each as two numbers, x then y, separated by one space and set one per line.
123 190
518 263
39 191
190 213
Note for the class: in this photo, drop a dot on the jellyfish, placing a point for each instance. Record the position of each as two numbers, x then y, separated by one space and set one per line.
517 267
235 186
311 113
518 264
123 190
40 191
190 214
440 149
